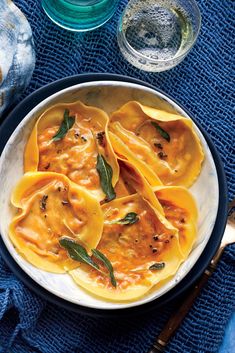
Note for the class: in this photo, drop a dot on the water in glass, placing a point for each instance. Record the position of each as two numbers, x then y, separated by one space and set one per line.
79 15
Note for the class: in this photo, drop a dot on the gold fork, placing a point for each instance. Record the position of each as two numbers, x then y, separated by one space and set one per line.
176 319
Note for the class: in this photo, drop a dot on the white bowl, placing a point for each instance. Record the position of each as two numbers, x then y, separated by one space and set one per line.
107 95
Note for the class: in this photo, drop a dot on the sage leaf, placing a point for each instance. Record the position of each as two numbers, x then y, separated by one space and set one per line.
77 252
66 124
130 218
107 264
157 266
105 173
162 132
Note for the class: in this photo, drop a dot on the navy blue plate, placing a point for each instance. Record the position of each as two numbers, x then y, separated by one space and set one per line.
9 125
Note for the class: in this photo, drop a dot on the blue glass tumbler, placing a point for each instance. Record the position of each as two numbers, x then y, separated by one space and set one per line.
79 15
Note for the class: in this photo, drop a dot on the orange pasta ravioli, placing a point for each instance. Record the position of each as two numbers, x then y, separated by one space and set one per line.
163 146
180 210
51 206
153 240
132 249
75 154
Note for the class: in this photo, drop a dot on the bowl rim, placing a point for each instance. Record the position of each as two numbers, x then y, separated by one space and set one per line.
184 267
106 77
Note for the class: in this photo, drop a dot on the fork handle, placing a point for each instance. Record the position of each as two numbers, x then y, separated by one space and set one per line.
177 317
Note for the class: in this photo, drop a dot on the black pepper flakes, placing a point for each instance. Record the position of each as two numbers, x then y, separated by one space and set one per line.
182 220
158 145
150 245
83 138
59 189
47 166
155 237
162 155
43 202
154 250
101 138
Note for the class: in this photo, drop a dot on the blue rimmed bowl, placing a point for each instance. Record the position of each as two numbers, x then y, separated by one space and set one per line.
96 90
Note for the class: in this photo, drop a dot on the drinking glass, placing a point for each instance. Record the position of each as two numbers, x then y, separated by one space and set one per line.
79 15
155 35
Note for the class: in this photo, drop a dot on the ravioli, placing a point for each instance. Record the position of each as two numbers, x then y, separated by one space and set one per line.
74 155
176 203
132 249
163 146
51 206
180 210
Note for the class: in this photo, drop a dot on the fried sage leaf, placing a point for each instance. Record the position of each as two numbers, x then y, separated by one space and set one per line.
105 173
107 264
130 218
77 252
66 124
162 132
157 266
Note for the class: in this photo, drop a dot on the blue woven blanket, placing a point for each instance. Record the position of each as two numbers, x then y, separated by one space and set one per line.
203 83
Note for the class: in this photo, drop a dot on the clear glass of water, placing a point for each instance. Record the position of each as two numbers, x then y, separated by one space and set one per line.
79 15
155 35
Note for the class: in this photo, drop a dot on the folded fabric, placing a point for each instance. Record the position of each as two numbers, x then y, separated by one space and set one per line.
30 325
203 84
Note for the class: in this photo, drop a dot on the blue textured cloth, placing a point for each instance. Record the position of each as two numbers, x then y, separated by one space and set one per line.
229 338
203 83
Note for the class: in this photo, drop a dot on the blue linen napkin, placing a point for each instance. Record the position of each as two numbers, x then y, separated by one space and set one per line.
229 337
203 83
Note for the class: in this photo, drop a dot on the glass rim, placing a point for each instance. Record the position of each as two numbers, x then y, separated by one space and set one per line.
151 60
